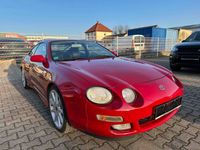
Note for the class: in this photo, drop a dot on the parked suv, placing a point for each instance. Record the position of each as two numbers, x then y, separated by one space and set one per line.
187 53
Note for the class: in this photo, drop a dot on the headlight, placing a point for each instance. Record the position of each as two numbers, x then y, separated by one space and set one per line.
129 95
99 95
174 49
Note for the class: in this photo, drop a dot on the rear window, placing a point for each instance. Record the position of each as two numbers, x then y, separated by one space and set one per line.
139 39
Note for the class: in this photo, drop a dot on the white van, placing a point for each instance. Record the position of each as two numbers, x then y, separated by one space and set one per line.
127 43
136 42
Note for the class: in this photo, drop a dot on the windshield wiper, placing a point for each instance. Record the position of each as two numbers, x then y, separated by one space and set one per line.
105 56
87 58
73 59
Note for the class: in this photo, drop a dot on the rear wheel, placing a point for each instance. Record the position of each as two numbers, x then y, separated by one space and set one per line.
24 81
57 110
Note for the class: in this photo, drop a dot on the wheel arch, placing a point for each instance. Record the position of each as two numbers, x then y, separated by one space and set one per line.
53 85
50 85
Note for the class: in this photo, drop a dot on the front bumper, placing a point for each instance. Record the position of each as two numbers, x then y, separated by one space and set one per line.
134 115
185 60
139 123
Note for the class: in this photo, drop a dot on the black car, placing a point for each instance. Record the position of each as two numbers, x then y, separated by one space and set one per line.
187 53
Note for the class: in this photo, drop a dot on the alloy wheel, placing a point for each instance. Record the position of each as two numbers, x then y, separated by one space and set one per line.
23 79
56 109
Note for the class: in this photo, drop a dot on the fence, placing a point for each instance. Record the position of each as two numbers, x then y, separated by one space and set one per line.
138 47
14 50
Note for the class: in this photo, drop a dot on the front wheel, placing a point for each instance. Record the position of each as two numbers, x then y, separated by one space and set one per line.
57 110
175 67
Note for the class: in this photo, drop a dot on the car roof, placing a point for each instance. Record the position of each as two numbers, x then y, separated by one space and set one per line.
195 32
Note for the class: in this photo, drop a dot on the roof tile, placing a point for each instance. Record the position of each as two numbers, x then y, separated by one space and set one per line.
98 27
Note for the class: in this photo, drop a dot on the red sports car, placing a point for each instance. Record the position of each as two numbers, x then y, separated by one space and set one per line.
87 86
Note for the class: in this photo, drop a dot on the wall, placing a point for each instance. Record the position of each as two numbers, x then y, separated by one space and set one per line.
101 35
158 32
171 39
146 32
91 36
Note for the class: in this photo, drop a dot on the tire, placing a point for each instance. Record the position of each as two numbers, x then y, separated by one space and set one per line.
57 111
175 67
24 81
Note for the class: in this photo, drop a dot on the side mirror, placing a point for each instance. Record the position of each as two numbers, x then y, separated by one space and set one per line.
38 58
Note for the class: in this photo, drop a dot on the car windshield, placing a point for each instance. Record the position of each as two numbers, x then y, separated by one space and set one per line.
75 50
194 37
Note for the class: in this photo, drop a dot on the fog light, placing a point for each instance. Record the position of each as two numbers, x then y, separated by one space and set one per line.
122 126
110 118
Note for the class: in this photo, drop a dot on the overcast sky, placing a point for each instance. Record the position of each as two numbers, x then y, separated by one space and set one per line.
73 17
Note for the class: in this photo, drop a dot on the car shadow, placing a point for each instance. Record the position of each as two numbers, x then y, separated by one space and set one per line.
188 71
30 95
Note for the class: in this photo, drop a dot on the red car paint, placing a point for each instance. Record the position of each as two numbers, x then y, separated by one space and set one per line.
73 78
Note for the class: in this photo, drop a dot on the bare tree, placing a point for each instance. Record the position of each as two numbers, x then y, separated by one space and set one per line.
115 30
120 29
126 28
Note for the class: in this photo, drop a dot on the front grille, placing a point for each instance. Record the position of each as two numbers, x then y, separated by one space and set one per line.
189 59
189 52
162 110
189 49
145 120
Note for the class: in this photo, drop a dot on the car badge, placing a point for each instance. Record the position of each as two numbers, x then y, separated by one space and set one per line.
161 87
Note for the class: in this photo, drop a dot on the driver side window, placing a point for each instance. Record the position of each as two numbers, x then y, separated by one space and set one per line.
32 52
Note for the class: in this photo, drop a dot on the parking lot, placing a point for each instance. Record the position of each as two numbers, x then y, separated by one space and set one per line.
25 122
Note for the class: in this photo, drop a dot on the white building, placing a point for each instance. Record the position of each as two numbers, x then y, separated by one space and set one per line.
43 37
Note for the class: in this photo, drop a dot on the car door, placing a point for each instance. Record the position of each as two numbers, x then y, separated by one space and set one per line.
27 64
38 71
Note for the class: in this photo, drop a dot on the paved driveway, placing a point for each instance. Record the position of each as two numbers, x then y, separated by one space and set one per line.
25 122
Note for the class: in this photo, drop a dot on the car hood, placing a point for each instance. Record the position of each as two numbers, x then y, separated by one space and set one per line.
116 70
189 47
188 44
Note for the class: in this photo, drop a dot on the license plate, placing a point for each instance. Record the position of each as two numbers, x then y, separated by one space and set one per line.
166 108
